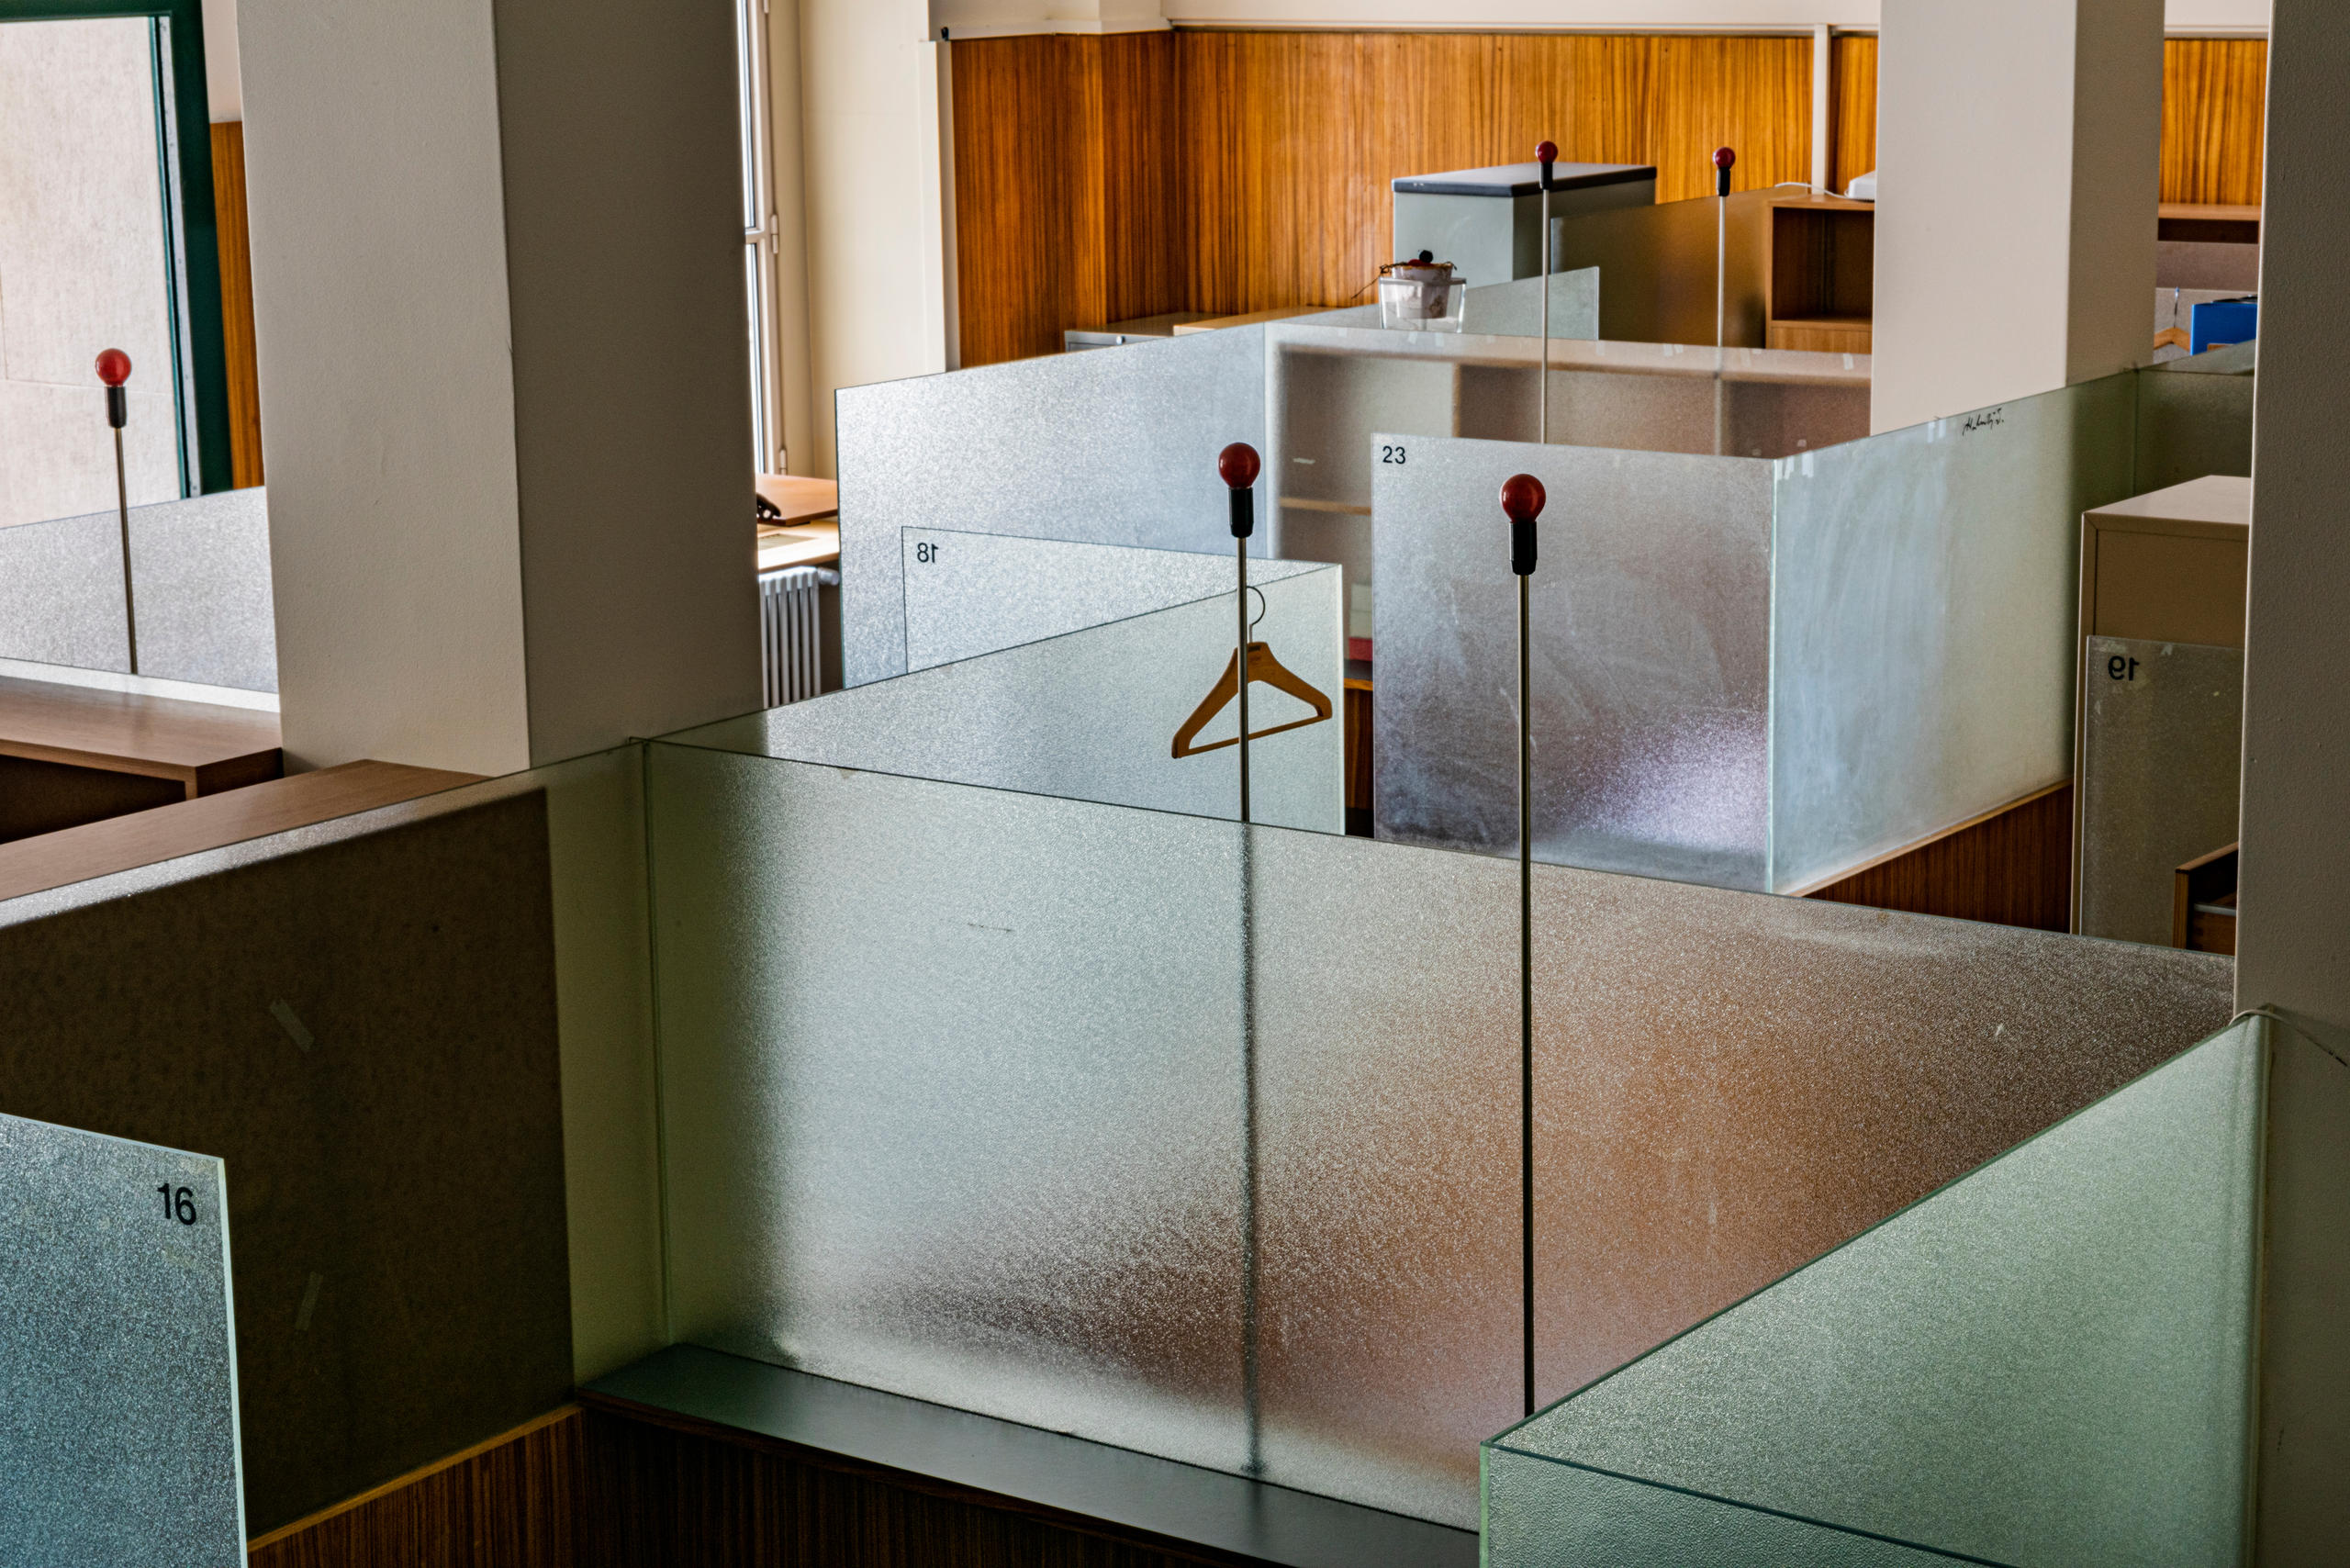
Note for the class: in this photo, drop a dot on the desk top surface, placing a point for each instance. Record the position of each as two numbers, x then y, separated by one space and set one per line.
188 827
1522 179
91 727
800 499
2221 500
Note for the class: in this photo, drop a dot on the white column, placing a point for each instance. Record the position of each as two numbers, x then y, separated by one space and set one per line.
499 300
2019 151
2294 889
878 181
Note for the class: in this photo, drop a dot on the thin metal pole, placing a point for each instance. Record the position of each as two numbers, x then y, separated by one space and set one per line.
1543 371
1240 552
1526 970
122 508
1721 310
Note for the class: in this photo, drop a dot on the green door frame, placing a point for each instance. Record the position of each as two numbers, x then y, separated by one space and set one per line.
198 293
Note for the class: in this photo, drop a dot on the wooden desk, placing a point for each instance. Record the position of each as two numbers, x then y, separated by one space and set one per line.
203 748
167 833
798 500
813 544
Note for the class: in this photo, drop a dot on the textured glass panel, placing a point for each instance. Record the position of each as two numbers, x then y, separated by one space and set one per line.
1650 616
200 572
952 1081
2195 418
1727 1085
969 594
2046 1362
117 1353
1504 309
1106 448
1092 715
2162 737
1540 1513
1921 621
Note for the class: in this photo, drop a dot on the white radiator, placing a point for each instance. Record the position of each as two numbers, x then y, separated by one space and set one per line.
792 632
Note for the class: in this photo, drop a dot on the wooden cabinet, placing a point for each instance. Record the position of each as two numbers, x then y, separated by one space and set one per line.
1819 290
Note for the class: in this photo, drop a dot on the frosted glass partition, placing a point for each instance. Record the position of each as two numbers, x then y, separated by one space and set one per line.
1651 658
1093 715
1503 309
969 594
1346 402
1108 448
2046 1362
1922 610
2195 418
952 1081
959 1087
2162 741
117 1353
1758 675
199 574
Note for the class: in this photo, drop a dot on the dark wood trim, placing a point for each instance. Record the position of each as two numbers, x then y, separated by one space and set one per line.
2010 867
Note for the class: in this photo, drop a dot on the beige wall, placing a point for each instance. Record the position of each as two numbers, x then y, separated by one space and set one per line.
876 177
82 269
2020 146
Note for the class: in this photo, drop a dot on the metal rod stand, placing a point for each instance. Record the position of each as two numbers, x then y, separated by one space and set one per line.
122 510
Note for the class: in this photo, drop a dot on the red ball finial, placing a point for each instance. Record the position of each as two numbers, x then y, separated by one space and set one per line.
114 367
1546 152
1724 157
1522 497
1238 464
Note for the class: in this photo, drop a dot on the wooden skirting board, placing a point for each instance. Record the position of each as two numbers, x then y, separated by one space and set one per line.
615 1486
2010 866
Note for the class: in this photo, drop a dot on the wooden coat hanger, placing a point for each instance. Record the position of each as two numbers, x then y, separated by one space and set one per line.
1264 668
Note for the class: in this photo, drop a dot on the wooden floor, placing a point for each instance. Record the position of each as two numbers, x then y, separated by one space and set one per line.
596 1488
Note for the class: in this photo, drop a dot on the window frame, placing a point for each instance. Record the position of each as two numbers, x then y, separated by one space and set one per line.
198 337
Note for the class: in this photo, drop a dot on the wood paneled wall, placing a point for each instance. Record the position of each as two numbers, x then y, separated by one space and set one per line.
2215 103
237 302
1853 136
1098 179
1102 178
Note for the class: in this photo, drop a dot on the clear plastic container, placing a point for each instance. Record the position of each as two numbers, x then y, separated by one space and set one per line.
1422 297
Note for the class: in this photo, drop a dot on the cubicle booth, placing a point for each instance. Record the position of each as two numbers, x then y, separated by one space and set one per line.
953 1036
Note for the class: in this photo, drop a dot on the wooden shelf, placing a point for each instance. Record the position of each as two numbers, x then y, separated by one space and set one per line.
1820 278
203 748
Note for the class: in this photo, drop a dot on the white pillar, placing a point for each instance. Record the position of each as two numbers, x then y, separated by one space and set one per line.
498 298
2019 151
876 135
2294 886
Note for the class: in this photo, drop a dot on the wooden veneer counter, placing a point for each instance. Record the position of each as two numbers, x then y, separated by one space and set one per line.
799 498
188 827
204 748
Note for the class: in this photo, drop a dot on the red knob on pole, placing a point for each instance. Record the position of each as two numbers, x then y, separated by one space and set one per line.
1522 499
1723 158
114 369
1238 464
1546 152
